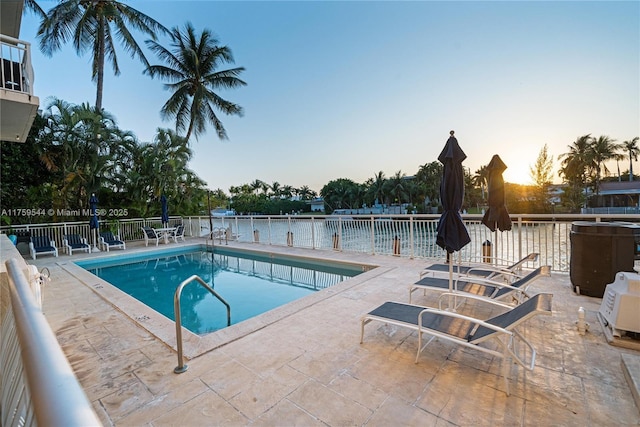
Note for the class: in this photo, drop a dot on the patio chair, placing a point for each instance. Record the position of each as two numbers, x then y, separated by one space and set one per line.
178 233
108 241
150 235
467 331
484 288
75 242
487 271
40 245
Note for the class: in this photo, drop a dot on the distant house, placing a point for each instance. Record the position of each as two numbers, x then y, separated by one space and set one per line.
620 193
317 204
554 193
222 212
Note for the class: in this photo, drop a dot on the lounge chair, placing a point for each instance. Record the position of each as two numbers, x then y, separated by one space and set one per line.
485 288
75 242
487 271
40 245
178 233
467 331
108 241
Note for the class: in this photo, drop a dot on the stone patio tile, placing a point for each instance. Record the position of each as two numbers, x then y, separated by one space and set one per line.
397 412
328 406
537 413
267 392
359 390
206 409
466 396
286 413
229 378
173 398
130 395
610 404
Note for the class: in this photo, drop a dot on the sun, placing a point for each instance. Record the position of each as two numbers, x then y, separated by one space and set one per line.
518 174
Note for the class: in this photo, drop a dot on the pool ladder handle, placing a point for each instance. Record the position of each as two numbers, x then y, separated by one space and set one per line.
176 310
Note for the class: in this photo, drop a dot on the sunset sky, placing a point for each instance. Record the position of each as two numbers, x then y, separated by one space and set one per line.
345 89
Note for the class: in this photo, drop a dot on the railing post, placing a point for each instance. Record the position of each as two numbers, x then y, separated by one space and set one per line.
373 235
411 253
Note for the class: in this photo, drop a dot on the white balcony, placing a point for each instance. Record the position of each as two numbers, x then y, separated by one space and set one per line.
18 105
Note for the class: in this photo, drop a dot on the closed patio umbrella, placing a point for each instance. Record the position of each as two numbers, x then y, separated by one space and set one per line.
496 217
452 233
165 211
93 222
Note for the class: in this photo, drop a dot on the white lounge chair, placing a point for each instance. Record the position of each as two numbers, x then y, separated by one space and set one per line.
108 241
75 242
40 245
467 331
487 271
484 288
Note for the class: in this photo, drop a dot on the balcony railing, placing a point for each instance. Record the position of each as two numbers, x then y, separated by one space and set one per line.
16 72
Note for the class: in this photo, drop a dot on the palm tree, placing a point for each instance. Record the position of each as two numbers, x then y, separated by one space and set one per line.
93 25
88 149
631 147
481 178
377 187
602 150
193 76
574 168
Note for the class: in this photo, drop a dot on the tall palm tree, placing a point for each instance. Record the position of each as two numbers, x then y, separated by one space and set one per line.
88 149
574 168
602 150
632 149
192 73
93 25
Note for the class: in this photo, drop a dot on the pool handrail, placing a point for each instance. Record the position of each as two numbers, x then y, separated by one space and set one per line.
176 309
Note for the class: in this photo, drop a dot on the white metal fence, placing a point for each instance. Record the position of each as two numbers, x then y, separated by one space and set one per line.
411 236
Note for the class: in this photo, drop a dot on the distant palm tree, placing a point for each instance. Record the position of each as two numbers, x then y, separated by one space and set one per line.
93 25
600 151
631 147
192 72
481 178
377 187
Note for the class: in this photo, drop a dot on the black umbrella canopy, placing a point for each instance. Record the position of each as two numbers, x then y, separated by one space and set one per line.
496 216
452 233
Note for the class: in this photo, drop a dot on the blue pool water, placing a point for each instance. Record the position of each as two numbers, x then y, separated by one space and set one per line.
251 283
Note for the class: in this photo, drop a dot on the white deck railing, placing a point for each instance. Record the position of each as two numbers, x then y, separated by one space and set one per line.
37 382
400 235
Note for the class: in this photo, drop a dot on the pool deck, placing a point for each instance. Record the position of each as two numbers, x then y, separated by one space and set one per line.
305 366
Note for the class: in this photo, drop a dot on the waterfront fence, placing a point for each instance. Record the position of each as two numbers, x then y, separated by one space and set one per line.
412 236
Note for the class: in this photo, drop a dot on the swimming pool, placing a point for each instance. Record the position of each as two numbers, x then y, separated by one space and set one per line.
252 283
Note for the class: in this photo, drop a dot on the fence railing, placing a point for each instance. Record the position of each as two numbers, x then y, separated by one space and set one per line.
38 384
411 236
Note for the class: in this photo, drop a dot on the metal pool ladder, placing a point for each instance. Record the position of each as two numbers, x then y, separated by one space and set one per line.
176 310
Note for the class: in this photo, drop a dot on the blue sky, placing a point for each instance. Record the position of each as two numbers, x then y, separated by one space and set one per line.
345 89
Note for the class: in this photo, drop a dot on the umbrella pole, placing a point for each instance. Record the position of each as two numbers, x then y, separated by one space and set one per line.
451 281
95 241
